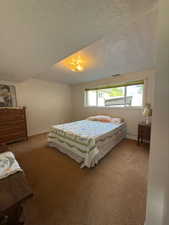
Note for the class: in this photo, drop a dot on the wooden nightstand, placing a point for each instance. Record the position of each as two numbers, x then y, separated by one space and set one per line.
144 133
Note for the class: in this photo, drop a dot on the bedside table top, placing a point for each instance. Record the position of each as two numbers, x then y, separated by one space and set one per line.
144 124
14 189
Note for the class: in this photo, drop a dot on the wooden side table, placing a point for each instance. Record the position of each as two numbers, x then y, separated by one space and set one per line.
3 147
14 190
144 133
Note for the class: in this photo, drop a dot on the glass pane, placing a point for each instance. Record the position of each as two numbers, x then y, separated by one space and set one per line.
111 97
91 98
134 95
101 98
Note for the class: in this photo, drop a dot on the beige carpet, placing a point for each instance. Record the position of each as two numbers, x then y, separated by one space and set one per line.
113 193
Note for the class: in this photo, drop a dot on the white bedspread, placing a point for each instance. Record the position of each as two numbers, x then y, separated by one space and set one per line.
87 128
82 137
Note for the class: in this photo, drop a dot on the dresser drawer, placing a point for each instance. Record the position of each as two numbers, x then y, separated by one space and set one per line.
12 124
9 138
14 129
11 117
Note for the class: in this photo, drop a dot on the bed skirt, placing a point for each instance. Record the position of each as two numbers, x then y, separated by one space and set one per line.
104 147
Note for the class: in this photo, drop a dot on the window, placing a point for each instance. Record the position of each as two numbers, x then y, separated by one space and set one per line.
126 95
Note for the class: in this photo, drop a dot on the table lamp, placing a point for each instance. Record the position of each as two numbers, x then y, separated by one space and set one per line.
147 112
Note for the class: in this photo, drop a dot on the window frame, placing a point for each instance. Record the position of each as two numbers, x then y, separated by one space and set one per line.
132 83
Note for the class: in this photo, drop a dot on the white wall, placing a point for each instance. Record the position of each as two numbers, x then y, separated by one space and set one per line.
50 103
46 103
132 116
158 188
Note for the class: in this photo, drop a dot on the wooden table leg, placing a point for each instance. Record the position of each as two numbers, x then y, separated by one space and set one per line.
13 215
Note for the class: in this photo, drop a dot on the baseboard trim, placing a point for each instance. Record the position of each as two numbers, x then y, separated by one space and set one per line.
132 137
41 133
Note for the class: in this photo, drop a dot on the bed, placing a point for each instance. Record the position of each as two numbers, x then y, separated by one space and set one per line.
86 141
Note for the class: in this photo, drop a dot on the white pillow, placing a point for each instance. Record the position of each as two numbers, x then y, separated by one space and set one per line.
104 118
117 120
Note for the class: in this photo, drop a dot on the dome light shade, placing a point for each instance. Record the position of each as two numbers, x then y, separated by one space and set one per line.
76 62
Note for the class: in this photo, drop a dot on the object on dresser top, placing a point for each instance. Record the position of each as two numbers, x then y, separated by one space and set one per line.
13 124
7 96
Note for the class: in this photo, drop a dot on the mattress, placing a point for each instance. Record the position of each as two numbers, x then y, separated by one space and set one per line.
86 141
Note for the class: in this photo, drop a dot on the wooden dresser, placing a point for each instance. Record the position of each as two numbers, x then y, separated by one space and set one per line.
12 125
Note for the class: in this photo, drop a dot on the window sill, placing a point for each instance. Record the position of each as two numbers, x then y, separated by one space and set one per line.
118 107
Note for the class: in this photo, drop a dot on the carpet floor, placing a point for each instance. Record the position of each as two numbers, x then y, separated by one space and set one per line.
112 193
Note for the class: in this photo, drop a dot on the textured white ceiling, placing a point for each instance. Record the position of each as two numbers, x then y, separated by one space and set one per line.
36 34
130 48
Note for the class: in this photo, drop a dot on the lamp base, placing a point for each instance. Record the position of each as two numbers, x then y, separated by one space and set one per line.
147 120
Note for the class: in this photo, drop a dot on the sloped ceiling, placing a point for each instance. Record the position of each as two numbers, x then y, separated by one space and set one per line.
129 49
37 34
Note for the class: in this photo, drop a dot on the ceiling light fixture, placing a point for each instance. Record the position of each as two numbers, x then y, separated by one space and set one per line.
76 64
